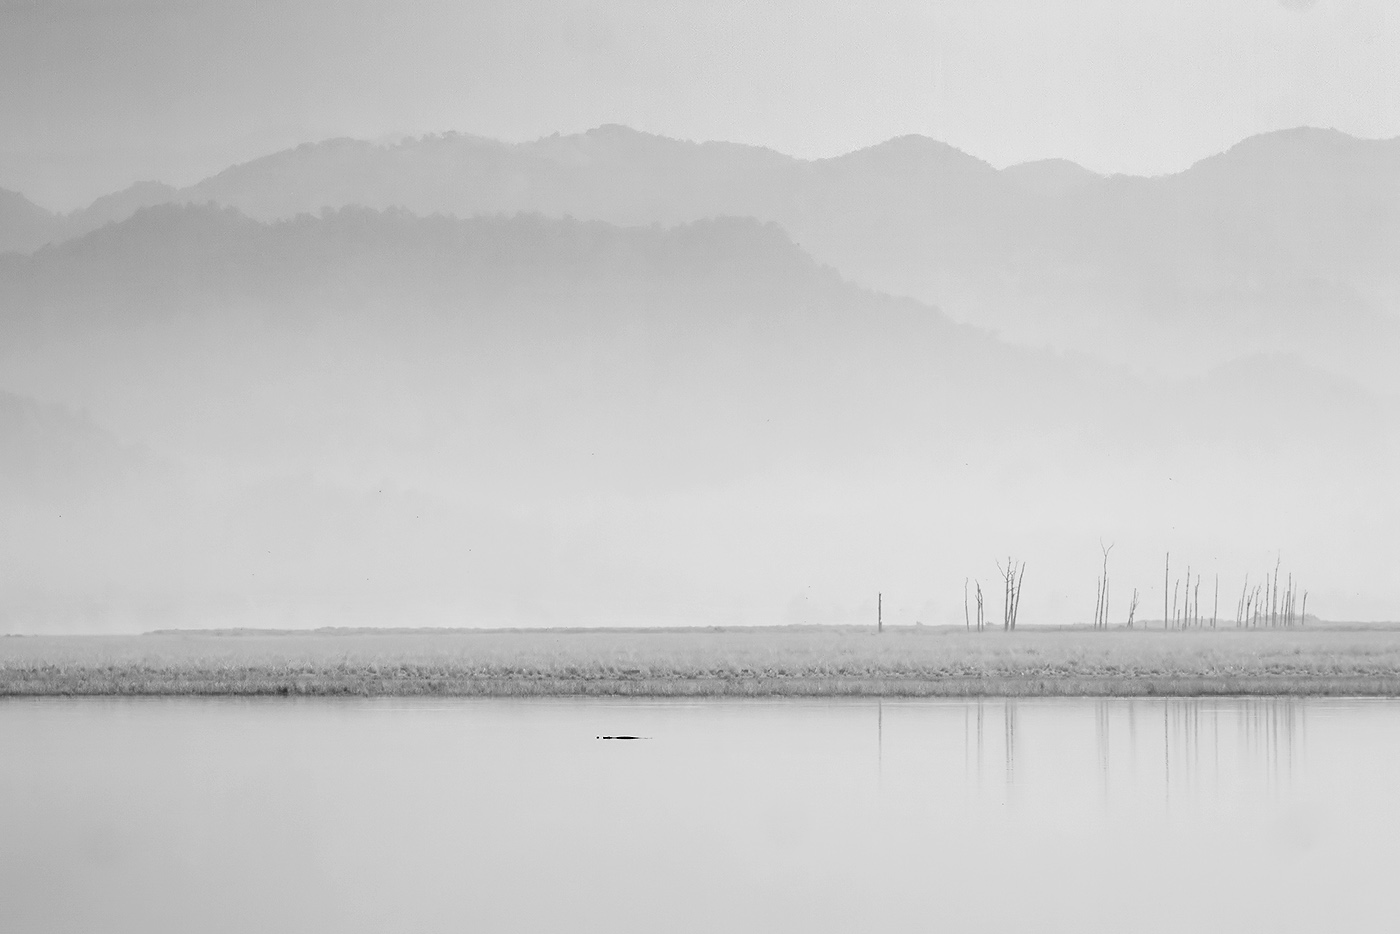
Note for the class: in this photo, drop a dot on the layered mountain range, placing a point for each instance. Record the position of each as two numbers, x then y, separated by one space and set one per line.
373 416
1286 243
511 385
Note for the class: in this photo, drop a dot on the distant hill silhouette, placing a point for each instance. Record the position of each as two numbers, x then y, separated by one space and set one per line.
1050 178
737 289
24 226
210 418
119 206
1283 244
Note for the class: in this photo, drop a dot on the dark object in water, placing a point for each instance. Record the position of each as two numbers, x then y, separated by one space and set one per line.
619 737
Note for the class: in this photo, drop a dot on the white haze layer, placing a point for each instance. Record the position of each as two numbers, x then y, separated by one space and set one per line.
377 418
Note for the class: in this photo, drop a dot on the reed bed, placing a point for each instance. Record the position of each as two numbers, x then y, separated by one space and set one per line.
735 662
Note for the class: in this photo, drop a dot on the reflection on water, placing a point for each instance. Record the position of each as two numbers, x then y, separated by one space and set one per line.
979 815
1173 744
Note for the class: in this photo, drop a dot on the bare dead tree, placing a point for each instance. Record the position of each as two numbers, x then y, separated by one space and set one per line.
1185 621
1239 611
1132 608
1101 613
1011 591
1006 578
1196 604
1105 602
1273 604
1303 617
1215 610
1176 592
967 619
1166 585
981 624
1016 596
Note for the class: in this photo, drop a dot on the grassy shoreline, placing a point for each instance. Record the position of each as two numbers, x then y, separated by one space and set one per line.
258 683
807 662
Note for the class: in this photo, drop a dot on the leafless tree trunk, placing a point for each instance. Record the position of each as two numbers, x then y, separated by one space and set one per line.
1011 593
1101 612
967 618
1273 601
1166 585
1016 596
1215 610
1132 608
1006 581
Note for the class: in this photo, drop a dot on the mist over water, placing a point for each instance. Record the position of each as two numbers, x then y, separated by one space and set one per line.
431 322
1073 815
371 417
584 312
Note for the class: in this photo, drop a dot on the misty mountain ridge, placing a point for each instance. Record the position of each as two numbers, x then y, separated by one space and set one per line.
168 250
674 306
24 225
521 418
1050 178
1283 244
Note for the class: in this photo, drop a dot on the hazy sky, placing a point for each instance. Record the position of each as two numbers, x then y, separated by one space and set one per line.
95 94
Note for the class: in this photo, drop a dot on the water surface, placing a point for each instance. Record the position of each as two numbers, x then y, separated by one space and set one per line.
219 815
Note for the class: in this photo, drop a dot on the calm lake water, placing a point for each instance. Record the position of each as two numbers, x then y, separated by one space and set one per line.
198 815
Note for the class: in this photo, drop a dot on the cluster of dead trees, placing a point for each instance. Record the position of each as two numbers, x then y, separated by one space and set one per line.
1185 609
1011 576
1274 603
1269 606
967 619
